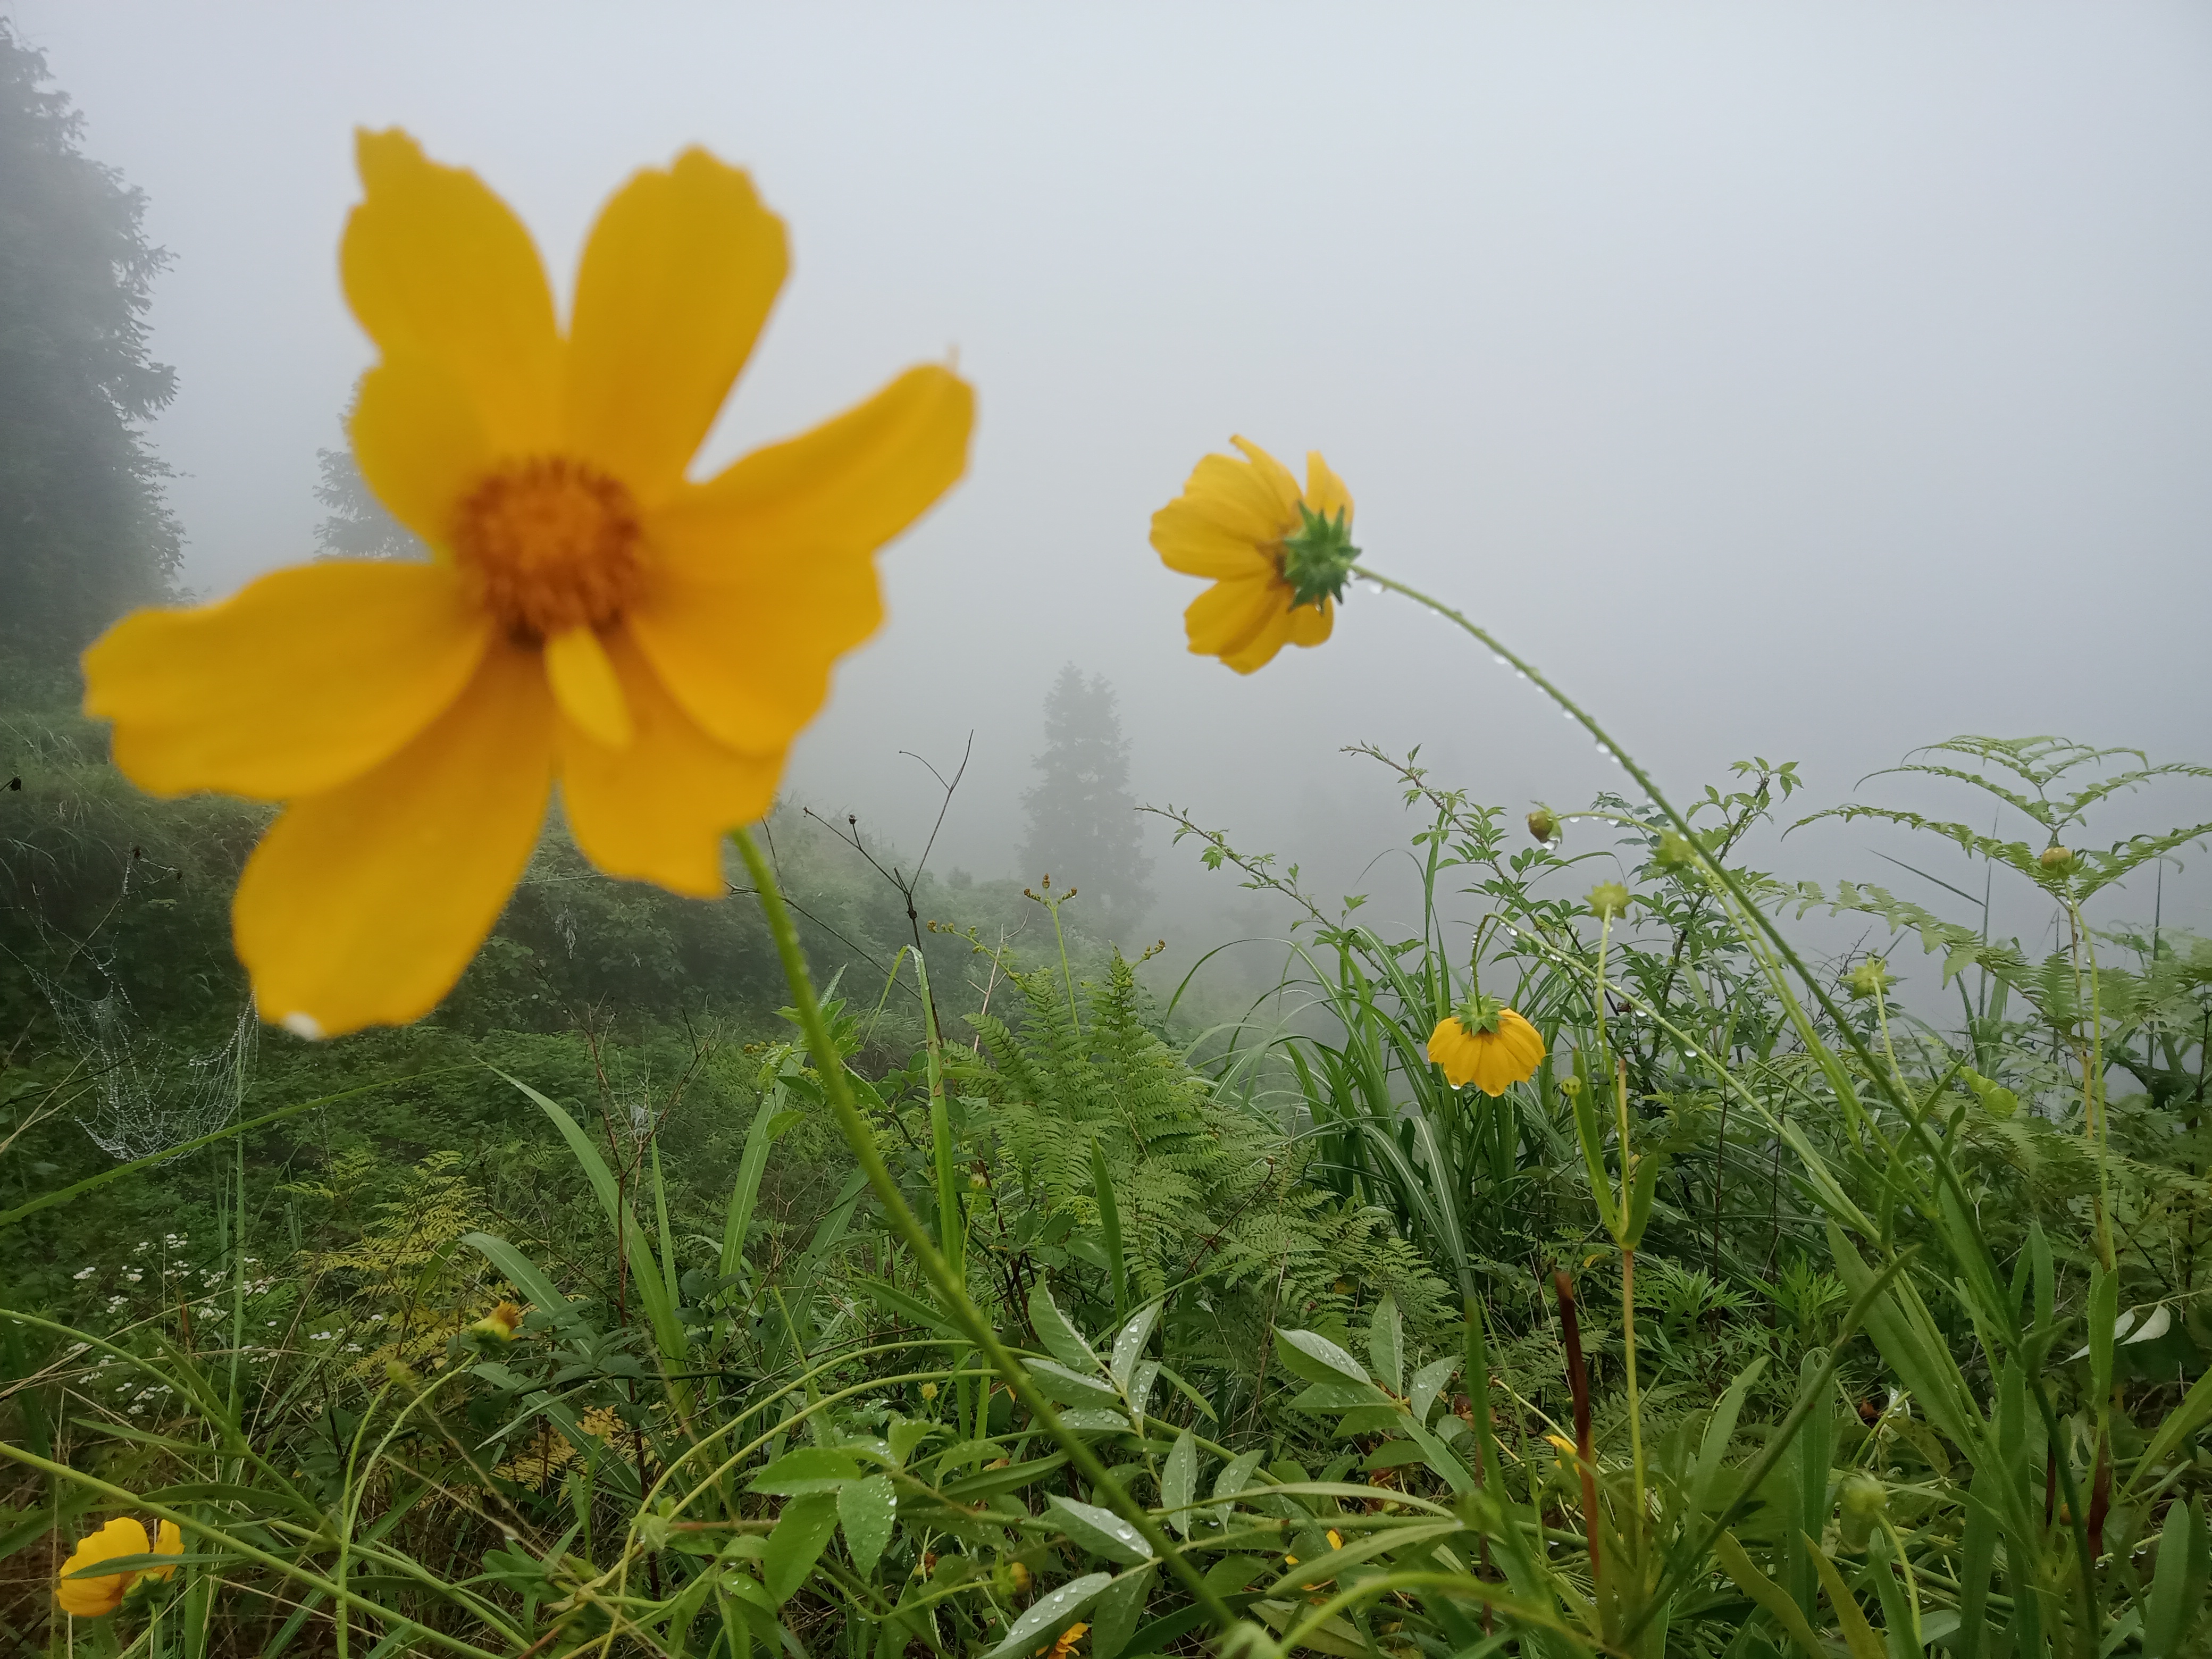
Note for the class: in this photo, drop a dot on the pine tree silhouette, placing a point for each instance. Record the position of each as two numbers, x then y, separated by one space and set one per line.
1083 828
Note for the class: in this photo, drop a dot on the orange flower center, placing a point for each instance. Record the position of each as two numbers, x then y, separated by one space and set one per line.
551 544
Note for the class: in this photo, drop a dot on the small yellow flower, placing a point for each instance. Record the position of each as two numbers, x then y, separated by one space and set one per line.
1278 557
500 1324
589 614
1068 1638
1493 1060
96 1596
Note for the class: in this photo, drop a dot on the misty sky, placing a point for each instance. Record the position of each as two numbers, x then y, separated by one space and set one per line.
1812 382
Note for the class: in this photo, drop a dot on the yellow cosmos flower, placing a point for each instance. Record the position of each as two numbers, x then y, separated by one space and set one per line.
589 613
1493 1060
100 1594
1278 555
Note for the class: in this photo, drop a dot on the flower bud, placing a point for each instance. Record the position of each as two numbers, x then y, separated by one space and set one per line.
1675 851
2055 860
1608 899
1863 1499
929 1391
1870 978
1544 825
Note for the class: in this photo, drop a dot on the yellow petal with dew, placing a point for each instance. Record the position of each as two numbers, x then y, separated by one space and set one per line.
585 686
1189 541
1325 492
848 486
657 810
361 906
98 1595
303 679
436 267
1311 624
420 443
676 279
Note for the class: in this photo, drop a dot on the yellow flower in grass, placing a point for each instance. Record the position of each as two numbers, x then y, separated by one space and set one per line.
1278 555
95 1596
589 614
1487 1043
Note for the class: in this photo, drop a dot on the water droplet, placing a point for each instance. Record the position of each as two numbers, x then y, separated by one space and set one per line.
1499 661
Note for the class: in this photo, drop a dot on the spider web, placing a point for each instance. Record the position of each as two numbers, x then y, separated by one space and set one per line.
150 1096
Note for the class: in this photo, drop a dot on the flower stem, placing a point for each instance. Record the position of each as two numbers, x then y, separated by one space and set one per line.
951 1292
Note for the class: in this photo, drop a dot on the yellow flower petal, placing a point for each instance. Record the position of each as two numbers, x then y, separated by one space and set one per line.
1189 541
95 1597
167 1541
437 267
1276 477
303 679
1241 498
657 810
585 686
361 906
1310 624
1325 492
420 443
848 486
1230 615
677 280
765 576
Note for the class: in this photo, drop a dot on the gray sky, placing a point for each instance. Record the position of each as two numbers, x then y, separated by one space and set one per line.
1808 382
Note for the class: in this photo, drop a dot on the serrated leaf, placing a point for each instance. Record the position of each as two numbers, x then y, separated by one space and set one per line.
1099 1531
1386 1344
1058 1334
1050 1615
808 1469
866 1510
1312 1358
1179 1482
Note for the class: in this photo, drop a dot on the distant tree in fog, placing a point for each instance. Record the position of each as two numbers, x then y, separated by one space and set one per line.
85 533
1082 829
359 527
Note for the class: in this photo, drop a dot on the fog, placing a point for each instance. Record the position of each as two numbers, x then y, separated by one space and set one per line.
1806 382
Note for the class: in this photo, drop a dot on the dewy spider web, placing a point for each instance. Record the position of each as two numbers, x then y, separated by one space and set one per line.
149 1097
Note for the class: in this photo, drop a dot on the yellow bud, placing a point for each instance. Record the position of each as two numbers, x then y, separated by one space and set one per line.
1544 825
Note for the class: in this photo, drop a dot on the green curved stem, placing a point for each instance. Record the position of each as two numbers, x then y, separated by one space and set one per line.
953 1293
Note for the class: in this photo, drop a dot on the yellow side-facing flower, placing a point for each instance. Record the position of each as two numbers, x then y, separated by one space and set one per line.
589 614
101 1593
1487 1044
1278 557
1068 1638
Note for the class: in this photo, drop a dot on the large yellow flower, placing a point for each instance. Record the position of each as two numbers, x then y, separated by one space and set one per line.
1494 1059
1278 555
589 614
101 1594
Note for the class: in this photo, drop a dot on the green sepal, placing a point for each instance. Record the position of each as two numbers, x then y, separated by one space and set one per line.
1318 557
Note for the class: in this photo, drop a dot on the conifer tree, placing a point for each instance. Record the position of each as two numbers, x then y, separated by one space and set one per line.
84 531
1083 827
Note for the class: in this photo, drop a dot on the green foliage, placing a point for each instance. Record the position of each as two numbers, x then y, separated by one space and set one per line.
88 535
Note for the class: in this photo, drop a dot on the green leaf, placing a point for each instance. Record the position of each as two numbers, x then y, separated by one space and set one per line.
1059 1337
1640 1189
1179 1483
523 1273
2104 1314
906 1434
866 1509
1386 1344
1740 1568
1114 1620
1586 1132
800 1535
1064 1386
808 1470
1428 1383
1099 1531
1129 1345
1312 1358
1050 1615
